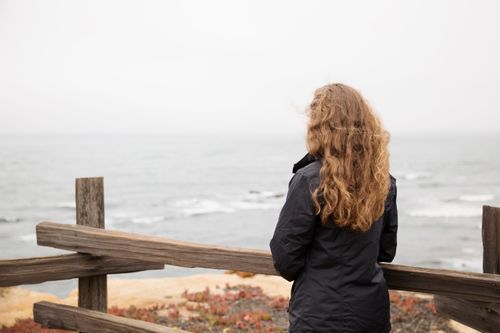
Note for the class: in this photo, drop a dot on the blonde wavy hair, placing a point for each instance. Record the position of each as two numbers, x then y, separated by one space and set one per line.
349 138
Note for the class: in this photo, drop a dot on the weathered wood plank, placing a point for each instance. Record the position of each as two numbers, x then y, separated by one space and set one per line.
472 286
151 248
89 195
446 282
15 272
61 316
480 316
491 239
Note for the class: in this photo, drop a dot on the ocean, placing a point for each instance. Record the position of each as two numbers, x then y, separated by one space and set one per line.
228 190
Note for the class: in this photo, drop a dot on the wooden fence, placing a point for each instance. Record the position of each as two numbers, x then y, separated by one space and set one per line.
470 298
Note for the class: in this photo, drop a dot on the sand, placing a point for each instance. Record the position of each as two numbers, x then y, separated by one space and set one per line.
17 302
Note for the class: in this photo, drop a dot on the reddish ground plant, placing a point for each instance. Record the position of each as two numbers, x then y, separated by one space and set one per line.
243 308
28 326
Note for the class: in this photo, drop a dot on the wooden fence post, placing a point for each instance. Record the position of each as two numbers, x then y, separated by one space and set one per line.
491 240
89 193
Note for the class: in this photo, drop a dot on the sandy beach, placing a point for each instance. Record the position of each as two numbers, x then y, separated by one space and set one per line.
17 302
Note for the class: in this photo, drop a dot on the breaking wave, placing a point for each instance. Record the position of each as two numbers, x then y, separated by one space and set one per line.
147 220
66 204
414 175
28 237
253 200
447 211
194 206
9 219
219 204
476 197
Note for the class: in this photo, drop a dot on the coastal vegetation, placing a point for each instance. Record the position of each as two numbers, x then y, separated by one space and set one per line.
245 308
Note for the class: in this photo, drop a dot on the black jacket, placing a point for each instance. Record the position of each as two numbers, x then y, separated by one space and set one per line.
338 284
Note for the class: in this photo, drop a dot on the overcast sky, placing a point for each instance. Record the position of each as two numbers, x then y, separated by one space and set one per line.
245 66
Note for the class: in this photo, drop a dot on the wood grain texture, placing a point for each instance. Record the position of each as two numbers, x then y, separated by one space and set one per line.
16 272
53 315
478 315
491 239
89 195
472 286
447 282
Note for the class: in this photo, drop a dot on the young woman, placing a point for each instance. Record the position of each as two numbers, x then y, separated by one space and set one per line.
339 220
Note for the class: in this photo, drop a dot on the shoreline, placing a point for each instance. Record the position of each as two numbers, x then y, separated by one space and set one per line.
17 302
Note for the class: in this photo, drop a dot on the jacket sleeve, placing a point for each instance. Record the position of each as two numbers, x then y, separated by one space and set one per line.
294 230
388 238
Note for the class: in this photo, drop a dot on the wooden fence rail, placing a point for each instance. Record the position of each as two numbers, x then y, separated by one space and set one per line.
15 272
482 316
471 286
53 315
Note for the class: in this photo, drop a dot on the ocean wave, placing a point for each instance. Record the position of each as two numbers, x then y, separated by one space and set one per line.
253 200
126 217
476 197
259 195
247 205
72 204
222 204
431 184
9 219
66 204
469 250
193 207
447 211
28 238
414 175
122 215
147 220
185 207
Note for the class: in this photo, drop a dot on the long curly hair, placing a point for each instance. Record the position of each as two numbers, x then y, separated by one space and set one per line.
350 139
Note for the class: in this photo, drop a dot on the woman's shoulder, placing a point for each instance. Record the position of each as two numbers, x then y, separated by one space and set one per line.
393 184
391 195
311 170
308 166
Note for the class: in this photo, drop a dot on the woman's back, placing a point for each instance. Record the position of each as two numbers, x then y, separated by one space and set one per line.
338 285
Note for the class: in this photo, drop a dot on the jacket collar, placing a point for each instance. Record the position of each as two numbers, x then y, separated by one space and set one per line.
307 159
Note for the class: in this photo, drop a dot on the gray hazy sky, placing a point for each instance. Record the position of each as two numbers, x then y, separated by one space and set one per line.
186 66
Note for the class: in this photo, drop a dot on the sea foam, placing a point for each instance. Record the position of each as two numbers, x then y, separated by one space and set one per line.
476 197
253 200
447 211
147 220
6 219
28 237
66 204
414 175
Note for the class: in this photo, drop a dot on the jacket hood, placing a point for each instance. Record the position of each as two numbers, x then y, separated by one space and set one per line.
307 159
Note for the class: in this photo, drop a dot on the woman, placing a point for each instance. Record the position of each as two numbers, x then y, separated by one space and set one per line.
339 219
